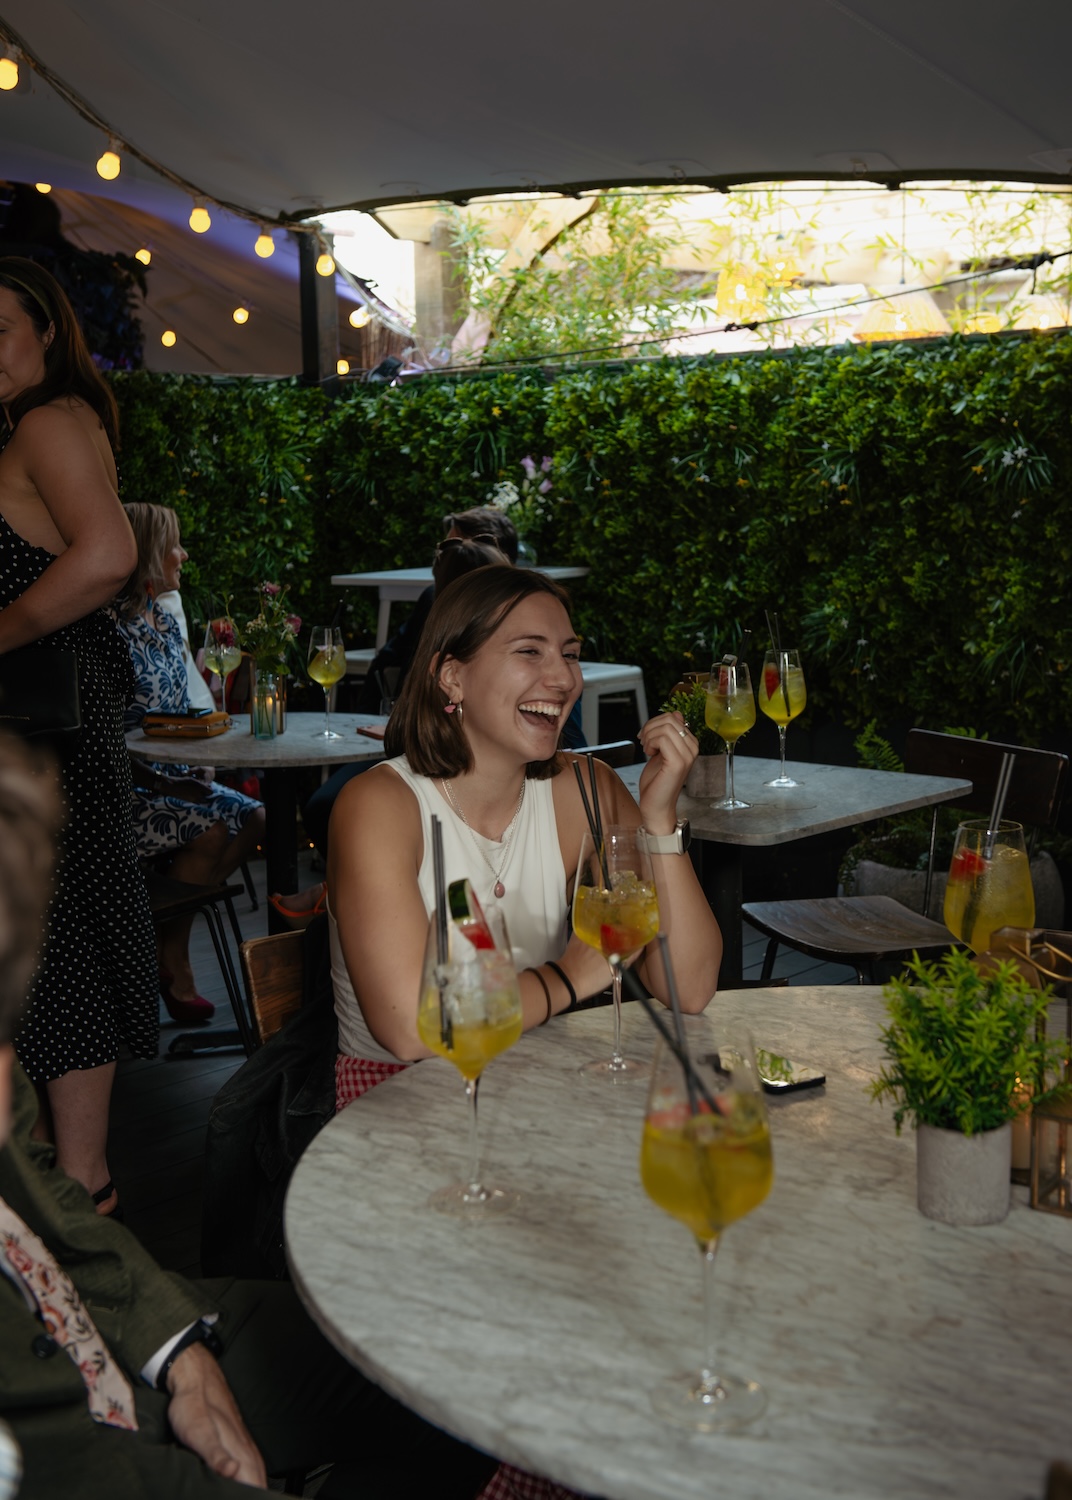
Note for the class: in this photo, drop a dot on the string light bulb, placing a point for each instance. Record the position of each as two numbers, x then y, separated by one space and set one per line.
9 69
325 266
167 338
200 222
108 163
264 245
145 255
342 367
43 187
360 317
241 315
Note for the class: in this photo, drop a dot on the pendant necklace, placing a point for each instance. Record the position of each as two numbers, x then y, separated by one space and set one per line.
499 890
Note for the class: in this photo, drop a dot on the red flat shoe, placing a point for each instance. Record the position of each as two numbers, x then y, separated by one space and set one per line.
187 1012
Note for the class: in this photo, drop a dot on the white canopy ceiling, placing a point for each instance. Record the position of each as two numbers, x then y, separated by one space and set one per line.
284 110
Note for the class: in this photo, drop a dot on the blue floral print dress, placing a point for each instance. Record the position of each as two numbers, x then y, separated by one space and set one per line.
163 822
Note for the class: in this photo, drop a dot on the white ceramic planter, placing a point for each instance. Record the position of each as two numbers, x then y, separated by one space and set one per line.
707 777
963 1179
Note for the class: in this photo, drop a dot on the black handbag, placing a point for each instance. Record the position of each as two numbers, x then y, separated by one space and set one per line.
39 694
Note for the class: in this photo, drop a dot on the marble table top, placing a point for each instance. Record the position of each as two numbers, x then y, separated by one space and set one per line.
829 797
296 746
903 1358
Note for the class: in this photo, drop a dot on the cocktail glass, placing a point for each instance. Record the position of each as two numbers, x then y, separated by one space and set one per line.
326 665
470 1011
708 1168
222 651
730 711
989 883
616 911
782 696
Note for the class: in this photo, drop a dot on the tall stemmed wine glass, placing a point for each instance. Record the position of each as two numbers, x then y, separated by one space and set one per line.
615 910
782 696
708 1167
222 651
730 711
326 665
469 1012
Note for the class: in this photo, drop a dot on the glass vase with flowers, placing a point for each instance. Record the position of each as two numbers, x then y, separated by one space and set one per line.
267 638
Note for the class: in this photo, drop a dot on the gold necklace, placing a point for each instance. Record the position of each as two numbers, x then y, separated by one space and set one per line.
499 890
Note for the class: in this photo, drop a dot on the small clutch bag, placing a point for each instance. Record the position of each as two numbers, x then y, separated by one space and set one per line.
185 726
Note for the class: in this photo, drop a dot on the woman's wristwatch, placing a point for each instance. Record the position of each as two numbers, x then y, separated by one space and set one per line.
669 843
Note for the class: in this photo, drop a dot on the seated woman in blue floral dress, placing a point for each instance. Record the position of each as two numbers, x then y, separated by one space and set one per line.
208 829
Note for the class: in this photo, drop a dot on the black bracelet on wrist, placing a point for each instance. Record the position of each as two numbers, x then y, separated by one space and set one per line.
200 1333
565 980
546 993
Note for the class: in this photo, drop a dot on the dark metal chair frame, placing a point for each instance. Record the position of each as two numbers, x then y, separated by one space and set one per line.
861 930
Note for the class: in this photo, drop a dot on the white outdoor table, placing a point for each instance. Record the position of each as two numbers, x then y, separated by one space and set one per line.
830 797
409 583
903 1358
277 760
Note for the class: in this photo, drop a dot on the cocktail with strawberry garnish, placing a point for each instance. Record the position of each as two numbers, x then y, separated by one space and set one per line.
989 883
782 696
615 911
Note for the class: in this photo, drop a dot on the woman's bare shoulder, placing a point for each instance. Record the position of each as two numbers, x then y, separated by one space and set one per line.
376 794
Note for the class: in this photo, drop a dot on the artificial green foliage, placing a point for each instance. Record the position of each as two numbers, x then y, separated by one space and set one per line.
859 491
961 1044
690 701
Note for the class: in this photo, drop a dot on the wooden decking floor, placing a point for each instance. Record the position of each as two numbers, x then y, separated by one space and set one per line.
160 1107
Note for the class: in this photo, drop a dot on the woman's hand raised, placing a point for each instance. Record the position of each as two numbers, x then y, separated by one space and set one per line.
671 750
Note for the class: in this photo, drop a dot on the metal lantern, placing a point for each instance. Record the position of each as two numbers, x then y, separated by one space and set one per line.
1051 1187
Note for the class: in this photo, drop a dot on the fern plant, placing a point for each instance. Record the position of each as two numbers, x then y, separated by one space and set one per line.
689 699
961 1045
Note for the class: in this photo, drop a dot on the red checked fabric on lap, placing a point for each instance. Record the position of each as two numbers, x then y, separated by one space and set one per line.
354 1076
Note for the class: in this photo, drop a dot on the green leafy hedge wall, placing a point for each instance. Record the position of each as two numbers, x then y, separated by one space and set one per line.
906 509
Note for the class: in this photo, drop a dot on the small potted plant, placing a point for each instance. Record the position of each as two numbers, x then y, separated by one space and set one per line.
965 1050
707 778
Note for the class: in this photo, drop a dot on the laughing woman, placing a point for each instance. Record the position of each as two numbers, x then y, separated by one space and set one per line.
474 740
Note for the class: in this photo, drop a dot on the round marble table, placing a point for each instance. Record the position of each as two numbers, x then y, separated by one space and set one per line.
903 1358
299 745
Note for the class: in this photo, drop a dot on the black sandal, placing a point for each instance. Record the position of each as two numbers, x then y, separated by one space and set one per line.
102 1195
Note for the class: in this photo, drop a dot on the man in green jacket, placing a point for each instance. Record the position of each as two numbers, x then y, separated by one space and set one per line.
119 1379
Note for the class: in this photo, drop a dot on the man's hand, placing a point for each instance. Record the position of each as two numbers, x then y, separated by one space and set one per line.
204 1416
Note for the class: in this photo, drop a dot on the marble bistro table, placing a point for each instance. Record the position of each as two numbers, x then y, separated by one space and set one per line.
277 760
903 1358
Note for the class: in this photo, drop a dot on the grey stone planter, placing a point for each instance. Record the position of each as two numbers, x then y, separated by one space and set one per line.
906 886
963 1179
707 778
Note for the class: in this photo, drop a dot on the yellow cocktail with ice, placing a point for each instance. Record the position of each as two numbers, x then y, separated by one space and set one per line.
730 711
705 1170
782 696
989 885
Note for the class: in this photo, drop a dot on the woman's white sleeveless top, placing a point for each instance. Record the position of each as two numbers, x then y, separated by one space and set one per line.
534 903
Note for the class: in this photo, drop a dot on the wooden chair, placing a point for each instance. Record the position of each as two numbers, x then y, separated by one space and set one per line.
273 969
860 930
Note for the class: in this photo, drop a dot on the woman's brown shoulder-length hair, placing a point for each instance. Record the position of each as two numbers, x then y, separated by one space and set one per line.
465 615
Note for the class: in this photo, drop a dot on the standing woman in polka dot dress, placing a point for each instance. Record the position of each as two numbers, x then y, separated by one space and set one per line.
65 550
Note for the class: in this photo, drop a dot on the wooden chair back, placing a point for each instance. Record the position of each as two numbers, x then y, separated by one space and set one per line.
273 969
1038 777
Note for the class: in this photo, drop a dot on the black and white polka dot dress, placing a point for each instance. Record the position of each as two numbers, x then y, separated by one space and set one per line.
97 984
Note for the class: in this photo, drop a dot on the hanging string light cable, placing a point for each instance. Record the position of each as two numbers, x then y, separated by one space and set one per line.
116 140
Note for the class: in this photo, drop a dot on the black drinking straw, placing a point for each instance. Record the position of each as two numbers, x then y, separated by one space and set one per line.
336 619
679 1025
634 990
783 673
446 1029
595 824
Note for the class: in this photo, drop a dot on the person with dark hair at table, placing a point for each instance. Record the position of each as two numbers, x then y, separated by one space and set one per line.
118 1379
